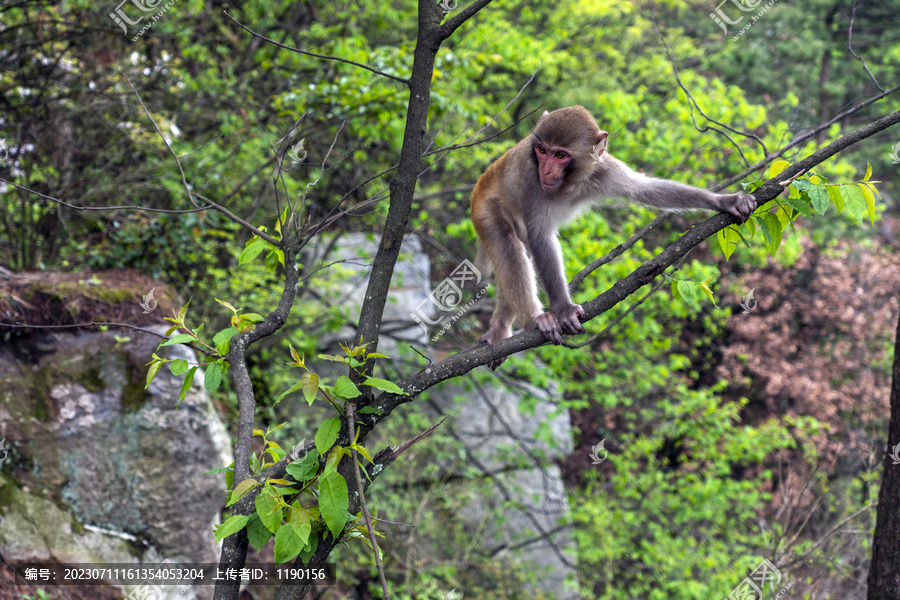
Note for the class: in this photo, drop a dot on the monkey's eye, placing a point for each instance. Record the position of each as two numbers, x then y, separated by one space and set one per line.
560 155
540 149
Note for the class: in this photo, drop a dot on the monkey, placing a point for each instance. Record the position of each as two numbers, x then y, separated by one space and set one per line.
543 182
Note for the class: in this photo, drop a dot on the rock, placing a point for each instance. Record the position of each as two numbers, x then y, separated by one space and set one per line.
93 452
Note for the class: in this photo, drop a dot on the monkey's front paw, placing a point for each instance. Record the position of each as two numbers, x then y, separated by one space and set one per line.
739 204
570 318
549 326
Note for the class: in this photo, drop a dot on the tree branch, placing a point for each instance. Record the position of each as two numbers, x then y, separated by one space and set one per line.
315 55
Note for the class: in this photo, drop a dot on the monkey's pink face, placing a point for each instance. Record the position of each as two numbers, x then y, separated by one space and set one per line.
552 163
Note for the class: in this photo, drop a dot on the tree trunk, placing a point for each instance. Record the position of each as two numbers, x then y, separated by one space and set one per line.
884 571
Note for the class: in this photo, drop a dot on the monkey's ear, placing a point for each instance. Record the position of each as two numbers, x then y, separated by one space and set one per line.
600 143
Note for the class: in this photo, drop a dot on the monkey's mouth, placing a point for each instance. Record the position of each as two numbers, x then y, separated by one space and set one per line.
549 187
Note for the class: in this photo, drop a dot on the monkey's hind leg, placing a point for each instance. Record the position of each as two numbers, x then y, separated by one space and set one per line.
500 328
516 288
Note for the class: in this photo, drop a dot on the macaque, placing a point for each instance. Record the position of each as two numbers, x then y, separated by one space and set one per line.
543 182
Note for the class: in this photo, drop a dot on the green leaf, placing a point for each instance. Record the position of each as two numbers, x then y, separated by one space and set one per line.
227 305
274 258
219 470
327 434
213 377
728 240
835 194
310 548
687 290
334 502
818 194
771 228
232 524
868 172
257 533
181 338
153 370
290 390
855 201
801 205
870 200
369 410
362 449
310 384
675 294
287 544
344 388
334 358
178 366
384 386
188 382
306 468
777 167
334 457
222 340
268 508
801 184
301 523
706 290
784 214
242 489
252 250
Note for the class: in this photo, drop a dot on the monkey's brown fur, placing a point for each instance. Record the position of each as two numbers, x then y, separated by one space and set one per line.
543 182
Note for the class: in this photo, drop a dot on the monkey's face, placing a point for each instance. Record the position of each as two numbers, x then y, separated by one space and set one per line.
553 165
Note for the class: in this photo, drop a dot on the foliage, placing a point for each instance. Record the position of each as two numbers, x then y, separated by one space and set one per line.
231 106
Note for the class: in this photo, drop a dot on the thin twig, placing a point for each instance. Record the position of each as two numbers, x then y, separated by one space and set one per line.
165 141
350 408
483 140
617 251
257 232
598 336
803 138
857 57
693 102
313 54
121 207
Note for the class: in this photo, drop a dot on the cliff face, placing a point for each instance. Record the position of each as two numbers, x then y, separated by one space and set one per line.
99 469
